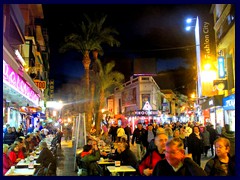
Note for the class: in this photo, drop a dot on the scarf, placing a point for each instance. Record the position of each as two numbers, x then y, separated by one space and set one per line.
84 154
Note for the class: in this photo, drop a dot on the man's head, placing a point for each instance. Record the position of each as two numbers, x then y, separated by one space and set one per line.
150 127
123 146
87 148
42 145
9 129
160 141
139 126
174 151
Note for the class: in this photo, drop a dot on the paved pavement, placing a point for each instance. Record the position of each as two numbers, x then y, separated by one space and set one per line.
65 161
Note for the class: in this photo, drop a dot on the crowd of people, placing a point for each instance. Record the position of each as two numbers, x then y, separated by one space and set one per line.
172 149
19 145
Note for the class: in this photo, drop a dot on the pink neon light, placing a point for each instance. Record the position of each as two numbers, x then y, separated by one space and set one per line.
11 78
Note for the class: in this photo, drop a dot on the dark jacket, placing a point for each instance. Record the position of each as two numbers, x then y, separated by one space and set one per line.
89 164
129 158
213 167
140 136
213 134
189 168
195 145
231 137
9 138
46 157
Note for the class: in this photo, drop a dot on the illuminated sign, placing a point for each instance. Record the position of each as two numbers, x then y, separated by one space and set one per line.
146 113
40 84
13 80
229 102
221 70
211 103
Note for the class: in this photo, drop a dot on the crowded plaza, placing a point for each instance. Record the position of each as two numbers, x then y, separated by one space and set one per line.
153 97
175 149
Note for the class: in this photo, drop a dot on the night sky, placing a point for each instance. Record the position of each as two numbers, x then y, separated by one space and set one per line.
145 31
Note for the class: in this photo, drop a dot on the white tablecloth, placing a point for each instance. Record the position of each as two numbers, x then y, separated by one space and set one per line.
20 172
26 163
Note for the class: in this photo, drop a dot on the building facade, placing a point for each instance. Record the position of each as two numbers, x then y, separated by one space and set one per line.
24 61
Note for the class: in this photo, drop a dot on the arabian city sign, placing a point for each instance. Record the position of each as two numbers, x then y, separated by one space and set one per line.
12 79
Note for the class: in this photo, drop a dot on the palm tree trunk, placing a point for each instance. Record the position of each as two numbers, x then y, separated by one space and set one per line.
101 106
86 63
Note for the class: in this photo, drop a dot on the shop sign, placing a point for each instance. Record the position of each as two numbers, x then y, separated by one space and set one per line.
221 69
229 102
146 113
220 84
12 79
40 84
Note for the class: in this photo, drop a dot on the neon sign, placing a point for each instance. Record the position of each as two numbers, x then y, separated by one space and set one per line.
221 70
12 79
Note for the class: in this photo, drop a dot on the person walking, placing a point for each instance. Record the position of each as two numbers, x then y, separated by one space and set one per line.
213 136
128 132
140 137
206 141
195 145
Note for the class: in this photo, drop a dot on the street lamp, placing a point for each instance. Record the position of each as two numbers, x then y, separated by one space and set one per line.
198 54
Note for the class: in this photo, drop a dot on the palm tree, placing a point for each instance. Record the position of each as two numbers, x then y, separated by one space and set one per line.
107 81
90 37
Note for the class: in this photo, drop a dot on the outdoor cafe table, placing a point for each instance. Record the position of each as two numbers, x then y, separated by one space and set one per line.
20 172
105 162
113 169
26 163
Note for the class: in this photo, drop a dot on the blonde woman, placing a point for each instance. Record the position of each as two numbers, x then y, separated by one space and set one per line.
7 163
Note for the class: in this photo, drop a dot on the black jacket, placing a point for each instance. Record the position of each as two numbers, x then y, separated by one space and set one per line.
129 158
213 167
195 145
140 136
189 168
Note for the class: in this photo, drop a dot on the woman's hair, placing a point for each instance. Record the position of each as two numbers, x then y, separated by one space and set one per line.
197 127
224 140
13 146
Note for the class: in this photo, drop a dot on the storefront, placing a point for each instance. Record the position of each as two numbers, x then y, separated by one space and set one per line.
229 111
213 110
17 93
